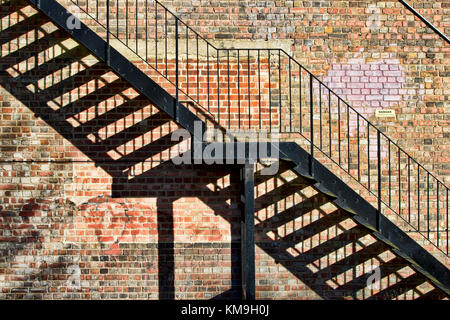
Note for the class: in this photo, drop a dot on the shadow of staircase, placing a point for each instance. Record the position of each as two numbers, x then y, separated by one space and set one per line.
321 244
120 130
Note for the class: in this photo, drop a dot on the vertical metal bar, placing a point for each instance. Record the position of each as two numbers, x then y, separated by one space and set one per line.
207 72
329 121
399 184
437 203
368 154
117 17
259 87
108 56
320 113
146 29
311 116
248 232
418 197
166 36
218 87
126 21
358 143
279 89
198 74
348 138
270 92
409 189
229 97
137 46
447 216
177 69
239 87
428 205
379 177
187 61
339 129
249 98
389 164
300 89
290 96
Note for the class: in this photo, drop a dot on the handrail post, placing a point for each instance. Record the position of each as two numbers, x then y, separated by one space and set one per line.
379 178
108 53
311 117
176 69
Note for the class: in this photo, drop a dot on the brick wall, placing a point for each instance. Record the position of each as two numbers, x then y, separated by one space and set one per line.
91 205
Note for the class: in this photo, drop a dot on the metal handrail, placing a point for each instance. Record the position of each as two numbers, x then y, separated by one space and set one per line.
320 99
429 24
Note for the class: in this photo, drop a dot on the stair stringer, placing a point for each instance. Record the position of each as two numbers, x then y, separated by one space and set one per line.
365 214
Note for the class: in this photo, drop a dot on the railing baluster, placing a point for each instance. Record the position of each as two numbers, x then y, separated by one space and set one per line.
177 69
207 73
368 154
279 89
259 87
399 184
198 73
348 139
428 205
311 115
146 29
290 96
239 88
229 97
167 35
389 165
379 178
329 121
320 114
187 60
339 130
270 92
437 204
107 34
300 89
358 144
136 36
418 197
218 88
249 98
126 22
409 189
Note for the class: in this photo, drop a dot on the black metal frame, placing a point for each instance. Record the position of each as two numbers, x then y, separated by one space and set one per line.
314 97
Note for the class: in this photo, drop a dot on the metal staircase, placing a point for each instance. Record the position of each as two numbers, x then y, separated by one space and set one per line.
266 90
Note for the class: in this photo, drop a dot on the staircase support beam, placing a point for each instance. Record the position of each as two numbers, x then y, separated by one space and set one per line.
248 231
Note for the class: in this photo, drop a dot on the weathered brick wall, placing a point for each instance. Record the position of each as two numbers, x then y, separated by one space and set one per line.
91 205
375 54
